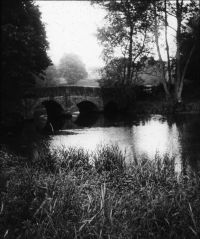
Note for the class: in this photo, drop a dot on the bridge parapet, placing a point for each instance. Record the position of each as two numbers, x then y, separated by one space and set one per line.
61 90
44 92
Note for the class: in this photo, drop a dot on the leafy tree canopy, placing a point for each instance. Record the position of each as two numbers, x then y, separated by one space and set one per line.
125 33
71 68
24 45
114 74
132 22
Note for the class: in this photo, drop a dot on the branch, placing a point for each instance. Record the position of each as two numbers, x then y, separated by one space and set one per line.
172 28
171 14
181 7
141 49
187 62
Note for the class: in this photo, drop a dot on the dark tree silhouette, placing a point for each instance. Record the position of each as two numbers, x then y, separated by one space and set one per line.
24 46
190 47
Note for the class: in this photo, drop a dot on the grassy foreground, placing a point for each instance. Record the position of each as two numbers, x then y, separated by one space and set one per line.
61 195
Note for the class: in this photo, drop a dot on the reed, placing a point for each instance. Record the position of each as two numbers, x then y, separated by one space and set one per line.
97 196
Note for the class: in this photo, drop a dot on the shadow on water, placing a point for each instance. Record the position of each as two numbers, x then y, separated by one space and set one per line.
189 130
87 120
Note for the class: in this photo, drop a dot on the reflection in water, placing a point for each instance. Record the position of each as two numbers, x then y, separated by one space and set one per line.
156 135
156 138
137 136
189 128
149 138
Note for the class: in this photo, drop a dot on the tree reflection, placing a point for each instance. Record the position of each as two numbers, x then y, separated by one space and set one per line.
189 130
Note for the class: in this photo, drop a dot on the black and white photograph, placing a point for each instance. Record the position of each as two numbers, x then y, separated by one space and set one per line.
100 119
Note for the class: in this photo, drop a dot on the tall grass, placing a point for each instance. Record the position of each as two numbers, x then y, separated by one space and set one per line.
82 195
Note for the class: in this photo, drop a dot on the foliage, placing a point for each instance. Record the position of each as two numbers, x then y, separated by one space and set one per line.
146 199
109 158
24 45
71 68
124 32
127 21
51 75
190 41
114 74
182 11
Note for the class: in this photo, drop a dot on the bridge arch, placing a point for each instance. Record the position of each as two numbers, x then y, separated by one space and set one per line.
86 106
49 111
53 108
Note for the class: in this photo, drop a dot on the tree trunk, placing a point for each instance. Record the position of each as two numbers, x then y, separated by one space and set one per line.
130 53
179 82
161 63
124 70
167 46
184 71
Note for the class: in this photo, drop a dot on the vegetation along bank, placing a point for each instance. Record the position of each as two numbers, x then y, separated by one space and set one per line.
73 194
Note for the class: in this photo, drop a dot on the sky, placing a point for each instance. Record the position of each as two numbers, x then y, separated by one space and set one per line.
71 28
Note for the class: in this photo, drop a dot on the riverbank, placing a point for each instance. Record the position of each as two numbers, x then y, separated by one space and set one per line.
63 195
165 108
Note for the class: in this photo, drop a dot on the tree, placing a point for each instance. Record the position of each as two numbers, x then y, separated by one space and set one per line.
167 45
71 68
161 65
114 74
124 32
190 49
182 11
51 76
24 46
137 15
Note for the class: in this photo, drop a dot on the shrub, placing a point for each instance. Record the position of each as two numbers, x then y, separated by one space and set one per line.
109 158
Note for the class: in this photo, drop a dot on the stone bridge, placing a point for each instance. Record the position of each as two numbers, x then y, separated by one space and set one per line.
68 99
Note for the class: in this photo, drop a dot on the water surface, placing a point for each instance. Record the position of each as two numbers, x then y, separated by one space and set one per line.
151 136
137 136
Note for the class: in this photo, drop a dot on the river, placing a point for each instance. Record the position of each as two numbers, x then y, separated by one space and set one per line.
151 136
177 136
